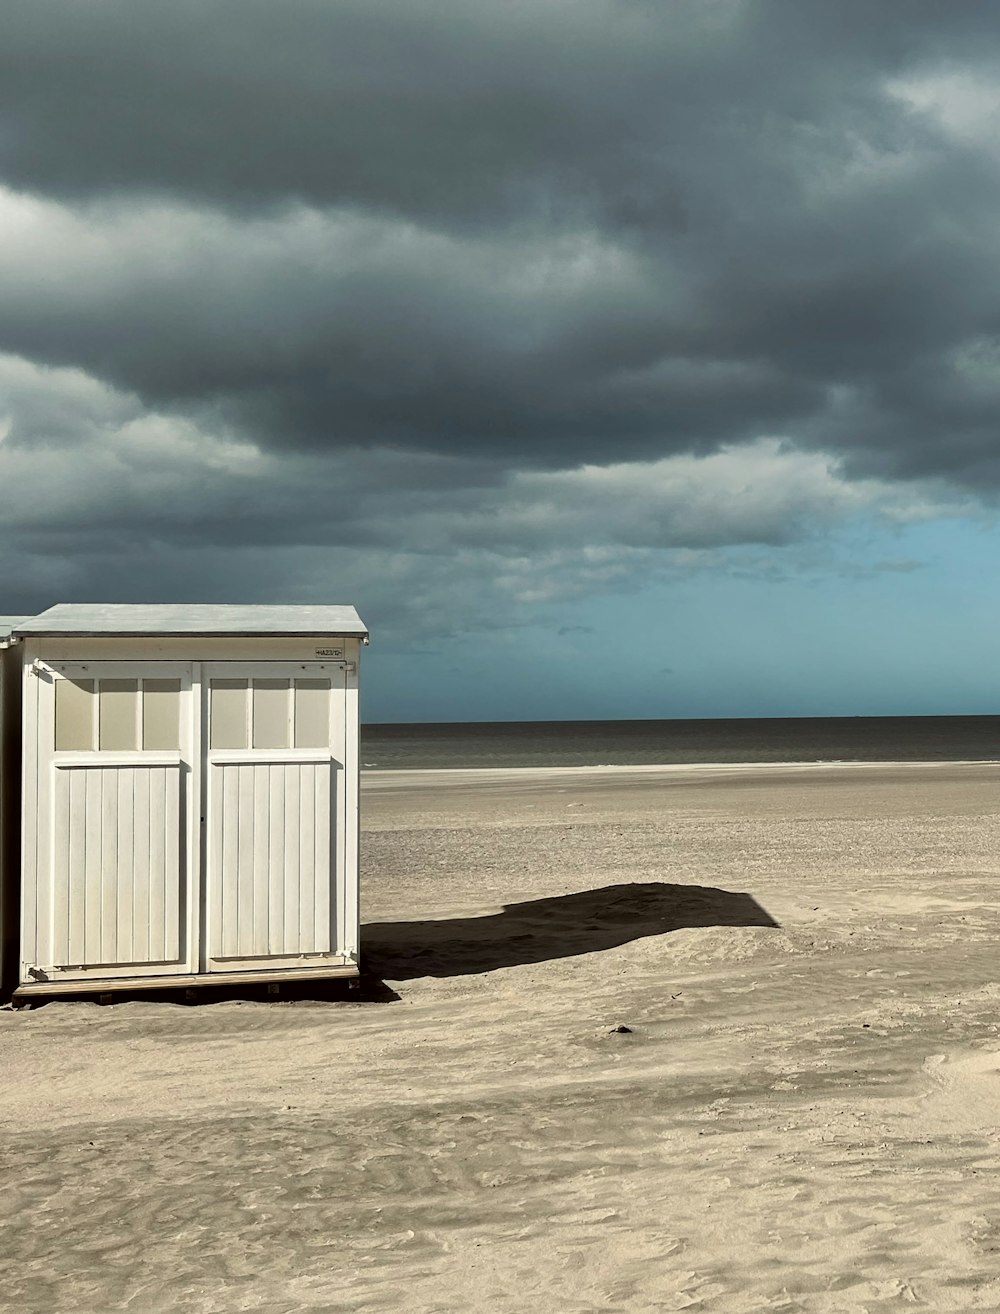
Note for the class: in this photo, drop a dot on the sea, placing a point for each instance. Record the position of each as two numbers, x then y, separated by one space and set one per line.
650 743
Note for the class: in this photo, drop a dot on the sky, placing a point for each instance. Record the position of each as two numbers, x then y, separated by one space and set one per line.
615 358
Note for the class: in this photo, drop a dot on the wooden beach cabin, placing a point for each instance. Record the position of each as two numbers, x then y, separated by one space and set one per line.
10 795
190 809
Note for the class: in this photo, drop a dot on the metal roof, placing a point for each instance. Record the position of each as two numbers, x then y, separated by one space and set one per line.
124 619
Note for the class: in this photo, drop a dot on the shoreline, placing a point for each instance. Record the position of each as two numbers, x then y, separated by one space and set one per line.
379 775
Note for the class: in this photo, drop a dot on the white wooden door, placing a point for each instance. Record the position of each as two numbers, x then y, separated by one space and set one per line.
274 789
114 819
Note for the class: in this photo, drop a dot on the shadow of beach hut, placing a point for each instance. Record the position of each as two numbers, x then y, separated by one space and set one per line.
539 930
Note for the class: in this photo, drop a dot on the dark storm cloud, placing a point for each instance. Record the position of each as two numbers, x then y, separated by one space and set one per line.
542 234
440 107
333 330
451 110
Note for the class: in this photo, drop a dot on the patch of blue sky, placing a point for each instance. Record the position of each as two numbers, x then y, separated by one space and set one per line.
877 620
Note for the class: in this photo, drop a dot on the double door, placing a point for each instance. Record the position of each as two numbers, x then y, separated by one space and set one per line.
189 817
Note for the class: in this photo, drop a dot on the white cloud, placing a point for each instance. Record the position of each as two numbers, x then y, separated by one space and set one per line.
965 102
101 497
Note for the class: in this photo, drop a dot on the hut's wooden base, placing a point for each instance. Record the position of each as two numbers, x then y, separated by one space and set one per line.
189 981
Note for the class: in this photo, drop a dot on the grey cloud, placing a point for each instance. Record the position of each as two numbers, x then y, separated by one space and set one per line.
438 107
442 277
453 110
324 331
148 504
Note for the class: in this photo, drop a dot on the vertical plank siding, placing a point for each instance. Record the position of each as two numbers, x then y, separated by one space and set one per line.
118 882
270 858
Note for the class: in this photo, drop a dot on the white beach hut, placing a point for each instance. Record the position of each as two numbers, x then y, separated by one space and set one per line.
10 792
190 809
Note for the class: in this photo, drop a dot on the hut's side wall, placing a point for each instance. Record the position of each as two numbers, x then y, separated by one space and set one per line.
352 818
10 814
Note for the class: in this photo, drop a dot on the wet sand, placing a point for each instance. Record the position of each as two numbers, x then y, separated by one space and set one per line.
803 1114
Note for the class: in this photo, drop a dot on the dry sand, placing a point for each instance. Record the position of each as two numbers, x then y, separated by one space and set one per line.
805 1114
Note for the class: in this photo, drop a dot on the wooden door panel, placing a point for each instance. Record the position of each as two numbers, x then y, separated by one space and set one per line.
118 864
270 857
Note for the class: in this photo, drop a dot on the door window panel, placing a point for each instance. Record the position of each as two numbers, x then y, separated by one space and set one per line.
117 714
161 714
134 714
312 713
74 716
270 713
229 714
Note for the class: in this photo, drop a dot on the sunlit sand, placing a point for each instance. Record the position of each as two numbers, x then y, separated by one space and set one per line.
638 1039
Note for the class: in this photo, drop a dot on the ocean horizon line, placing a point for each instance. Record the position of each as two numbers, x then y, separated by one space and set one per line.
685 741
653 720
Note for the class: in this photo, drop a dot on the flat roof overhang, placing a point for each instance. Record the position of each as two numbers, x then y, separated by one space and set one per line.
125 621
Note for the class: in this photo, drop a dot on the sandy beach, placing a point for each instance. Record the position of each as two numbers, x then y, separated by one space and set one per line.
632 1040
